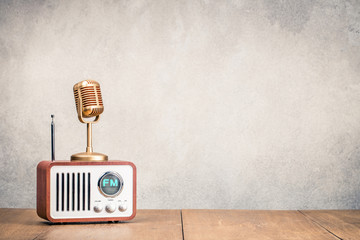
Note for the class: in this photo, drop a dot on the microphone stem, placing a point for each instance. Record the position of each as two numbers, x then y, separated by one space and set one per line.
89 147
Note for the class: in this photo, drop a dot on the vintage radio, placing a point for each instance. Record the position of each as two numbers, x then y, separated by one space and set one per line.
86 191
89 188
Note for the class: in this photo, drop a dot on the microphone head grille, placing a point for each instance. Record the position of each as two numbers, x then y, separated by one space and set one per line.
89 93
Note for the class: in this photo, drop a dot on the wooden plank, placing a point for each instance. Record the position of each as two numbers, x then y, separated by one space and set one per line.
20 224
250 224
343 223
148 224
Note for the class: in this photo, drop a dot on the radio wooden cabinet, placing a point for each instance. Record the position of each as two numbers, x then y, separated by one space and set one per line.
86 191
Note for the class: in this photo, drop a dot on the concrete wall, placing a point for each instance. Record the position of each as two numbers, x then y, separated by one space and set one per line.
220 104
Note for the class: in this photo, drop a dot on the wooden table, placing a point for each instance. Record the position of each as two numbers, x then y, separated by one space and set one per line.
192 224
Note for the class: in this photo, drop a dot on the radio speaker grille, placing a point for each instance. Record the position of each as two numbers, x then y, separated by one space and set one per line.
73 191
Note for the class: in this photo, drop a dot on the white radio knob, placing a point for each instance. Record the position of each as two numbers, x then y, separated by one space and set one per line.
122 207
110 208
98 208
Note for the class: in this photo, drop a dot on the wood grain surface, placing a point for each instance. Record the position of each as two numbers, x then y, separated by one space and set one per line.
250 224
148 224
20 224
345 224
192 224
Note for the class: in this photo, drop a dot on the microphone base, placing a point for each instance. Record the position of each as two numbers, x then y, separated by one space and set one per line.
89 157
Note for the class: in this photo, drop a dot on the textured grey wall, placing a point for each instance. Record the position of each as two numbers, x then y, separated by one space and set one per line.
220 104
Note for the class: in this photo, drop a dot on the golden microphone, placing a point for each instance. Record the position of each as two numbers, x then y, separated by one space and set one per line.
89 104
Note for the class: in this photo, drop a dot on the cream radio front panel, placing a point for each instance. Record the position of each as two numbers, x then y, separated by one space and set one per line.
91 191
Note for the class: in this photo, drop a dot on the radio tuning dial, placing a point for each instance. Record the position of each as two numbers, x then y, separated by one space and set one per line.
110 184
110 208
98 208
122 207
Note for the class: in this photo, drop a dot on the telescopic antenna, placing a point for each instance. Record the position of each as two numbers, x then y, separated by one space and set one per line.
52 137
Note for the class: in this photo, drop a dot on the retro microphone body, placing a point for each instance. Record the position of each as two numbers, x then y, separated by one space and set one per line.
89 104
